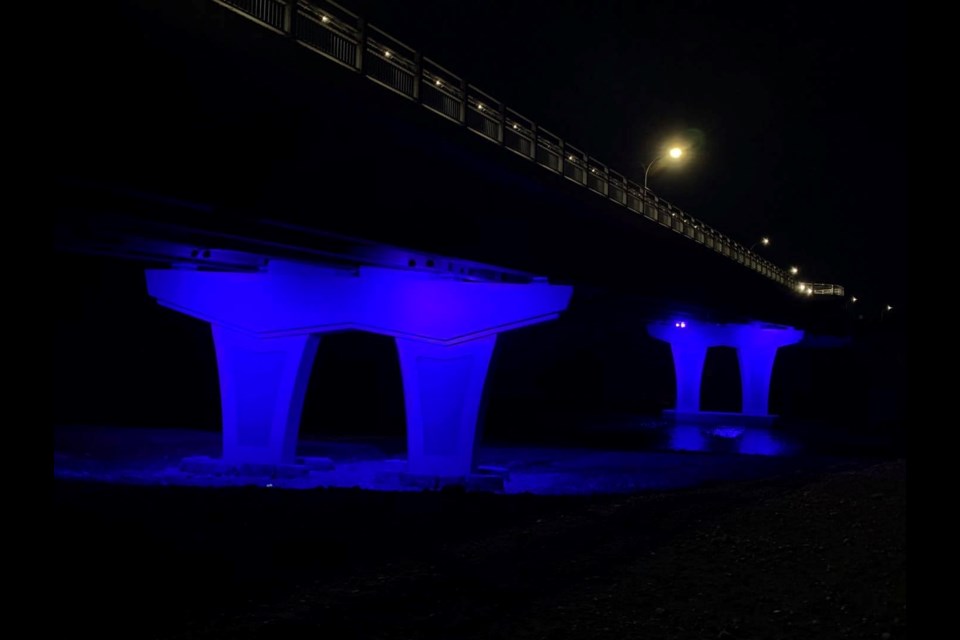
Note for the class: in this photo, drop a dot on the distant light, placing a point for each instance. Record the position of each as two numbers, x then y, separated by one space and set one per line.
439 83
593 170
387 54
683 325
676 152
802 287
889 308
765 241
853 298
571 158
810 291
514 125
794 270
325 19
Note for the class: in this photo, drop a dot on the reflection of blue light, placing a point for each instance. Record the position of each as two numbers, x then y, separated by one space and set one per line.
148 457
687 438
727 432
760 442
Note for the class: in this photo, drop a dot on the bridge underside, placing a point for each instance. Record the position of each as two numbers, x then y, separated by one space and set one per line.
232 137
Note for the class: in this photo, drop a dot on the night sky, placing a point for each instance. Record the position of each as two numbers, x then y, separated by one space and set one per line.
797 110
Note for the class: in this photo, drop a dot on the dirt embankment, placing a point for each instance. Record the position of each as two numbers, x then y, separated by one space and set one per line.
805 555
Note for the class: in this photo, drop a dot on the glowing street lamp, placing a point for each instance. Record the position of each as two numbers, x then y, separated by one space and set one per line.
794 271
765 241
674 153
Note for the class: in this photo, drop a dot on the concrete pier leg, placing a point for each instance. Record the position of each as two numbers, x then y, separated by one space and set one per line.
443 388
756 368
688 360
262 386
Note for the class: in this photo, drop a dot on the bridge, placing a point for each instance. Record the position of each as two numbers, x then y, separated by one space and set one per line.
286 170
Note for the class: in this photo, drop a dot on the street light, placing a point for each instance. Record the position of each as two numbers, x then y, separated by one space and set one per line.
674 152
794 271
765 241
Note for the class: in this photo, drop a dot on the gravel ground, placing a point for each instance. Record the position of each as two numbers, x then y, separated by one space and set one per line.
815 553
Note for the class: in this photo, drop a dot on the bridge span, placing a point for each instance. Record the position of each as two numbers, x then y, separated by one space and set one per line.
287 170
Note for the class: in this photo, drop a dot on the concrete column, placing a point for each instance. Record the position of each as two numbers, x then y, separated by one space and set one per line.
262 386
756 368
757 347
443 389
688 360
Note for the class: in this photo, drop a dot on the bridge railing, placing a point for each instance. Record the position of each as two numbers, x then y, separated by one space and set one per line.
519 134
441 90
549 150
271 13
820 289
338 34
334 34
484 114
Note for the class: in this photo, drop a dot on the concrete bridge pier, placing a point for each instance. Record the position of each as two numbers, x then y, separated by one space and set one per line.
267 327
756 344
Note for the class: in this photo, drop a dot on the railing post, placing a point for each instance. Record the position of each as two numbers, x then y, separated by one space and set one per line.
418 75
503 123
289 16
362 43
463 102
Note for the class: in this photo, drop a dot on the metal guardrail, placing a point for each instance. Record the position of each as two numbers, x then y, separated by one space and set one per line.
820 289
343 37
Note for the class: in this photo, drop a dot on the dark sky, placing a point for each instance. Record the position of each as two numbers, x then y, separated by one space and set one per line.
798 109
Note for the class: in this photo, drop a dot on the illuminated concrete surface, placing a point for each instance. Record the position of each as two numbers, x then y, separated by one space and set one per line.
266 327
756 344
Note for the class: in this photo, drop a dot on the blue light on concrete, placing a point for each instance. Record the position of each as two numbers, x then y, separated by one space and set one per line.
443 387
262 386
756 345
267 325
760 442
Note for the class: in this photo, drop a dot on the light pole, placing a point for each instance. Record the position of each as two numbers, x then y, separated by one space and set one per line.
674 152
765 241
